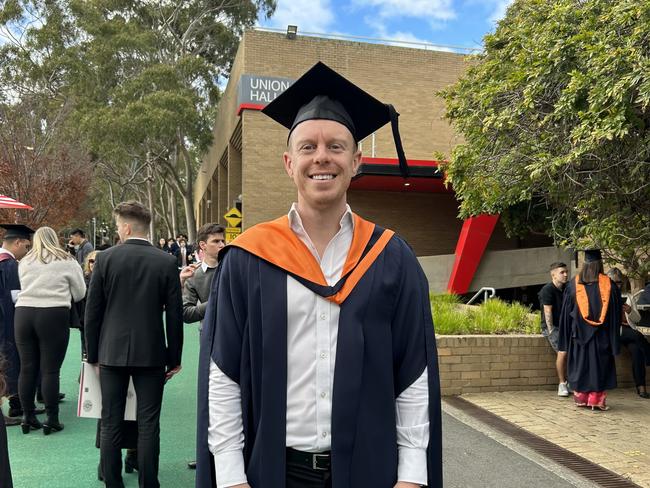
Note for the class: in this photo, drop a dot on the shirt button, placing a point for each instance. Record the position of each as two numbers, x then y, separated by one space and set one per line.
323 355
323 395
324 434
323 316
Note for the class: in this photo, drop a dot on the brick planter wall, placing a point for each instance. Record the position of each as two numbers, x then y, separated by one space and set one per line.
505 363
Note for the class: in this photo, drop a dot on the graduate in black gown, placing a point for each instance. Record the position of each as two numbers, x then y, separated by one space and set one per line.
15 244
5 468
589 332
385 343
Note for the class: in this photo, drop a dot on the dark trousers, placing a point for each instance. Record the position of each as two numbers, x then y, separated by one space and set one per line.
42 336
300 476
639 349
148 383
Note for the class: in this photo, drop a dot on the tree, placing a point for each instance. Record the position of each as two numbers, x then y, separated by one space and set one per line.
556 123
161 63
142 79
50 178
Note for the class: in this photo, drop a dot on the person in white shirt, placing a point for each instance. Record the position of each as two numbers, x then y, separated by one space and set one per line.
318 365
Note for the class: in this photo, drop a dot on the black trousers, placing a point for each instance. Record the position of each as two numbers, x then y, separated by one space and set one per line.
300 476
149 384
42 336
639 349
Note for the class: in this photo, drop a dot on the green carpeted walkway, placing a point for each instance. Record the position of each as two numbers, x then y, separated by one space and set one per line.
68 459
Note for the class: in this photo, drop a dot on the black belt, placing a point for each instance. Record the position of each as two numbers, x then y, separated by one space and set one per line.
318 461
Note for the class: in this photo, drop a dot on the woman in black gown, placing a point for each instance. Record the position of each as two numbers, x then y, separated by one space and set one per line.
589 332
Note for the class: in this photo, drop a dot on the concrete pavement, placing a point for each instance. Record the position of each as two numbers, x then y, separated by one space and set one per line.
618 440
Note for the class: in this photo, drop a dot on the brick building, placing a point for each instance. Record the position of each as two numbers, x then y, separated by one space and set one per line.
244 165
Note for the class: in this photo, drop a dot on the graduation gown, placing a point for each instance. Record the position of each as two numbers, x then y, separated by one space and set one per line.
590 349
5 468
9 281
385 341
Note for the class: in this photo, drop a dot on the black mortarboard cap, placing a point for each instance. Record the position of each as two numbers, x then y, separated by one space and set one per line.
322 93
592 255
19 231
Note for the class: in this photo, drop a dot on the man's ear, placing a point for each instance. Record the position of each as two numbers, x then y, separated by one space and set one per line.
288 163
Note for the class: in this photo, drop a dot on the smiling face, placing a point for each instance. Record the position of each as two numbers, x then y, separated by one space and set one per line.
321 159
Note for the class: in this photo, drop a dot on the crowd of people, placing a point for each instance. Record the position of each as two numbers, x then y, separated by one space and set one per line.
586 320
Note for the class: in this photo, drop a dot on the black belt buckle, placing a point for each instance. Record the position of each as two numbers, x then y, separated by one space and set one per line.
320 462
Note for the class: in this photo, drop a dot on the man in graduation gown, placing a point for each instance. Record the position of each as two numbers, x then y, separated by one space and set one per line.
318 364
589 332
15 244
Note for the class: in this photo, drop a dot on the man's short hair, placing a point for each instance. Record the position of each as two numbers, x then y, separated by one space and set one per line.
207 230
556 265
78 232
135 212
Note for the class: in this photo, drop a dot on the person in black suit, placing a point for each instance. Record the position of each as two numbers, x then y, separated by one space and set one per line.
132 285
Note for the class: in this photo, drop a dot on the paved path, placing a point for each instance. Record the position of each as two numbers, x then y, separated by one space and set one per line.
618 440
474 460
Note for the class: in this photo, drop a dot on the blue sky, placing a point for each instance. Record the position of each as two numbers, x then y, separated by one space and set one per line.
442 22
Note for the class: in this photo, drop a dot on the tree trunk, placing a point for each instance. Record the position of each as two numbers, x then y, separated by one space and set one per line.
172 206
152 208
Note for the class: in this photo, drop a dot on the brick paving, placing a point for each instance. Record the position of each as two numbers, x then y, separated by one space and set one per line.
618 439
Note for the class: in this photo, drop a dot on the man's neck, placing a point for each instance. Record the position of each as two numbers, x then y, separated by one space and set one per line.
137 236
558 284
211 262
321 225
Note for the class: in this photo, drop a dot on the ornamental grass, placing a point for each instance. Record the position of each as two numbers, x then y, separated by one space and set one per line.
495 316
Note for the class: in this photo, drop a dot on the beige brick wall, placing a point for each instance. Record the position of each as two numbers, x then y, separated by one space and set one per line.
470 364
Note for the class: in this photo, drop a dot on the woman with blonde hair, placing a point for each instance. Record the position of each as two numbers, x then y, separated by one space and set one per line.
50 281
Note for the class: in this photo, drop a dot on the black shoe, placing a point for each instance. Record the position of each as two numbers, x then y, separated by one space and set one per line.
642 394
52 424
130 462
11 421
191 465
29 423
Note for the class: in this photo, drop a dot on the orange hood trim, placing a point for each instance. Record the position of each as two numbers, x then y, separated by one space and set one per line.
604 286
276 243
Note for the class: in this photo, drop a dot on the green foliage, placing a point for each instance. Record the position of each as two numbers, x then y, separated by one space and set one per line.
492 317
555 114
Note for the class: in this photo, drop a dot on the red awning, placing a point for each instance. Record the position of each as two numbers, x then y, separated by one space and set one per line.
383 174
8 202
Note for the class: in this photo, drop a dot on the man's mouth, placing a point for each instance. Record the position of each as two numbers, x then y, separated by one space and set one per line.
322 177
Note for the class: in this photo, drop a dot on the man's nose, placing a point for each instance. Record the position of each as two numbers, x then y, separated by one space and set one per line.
321 154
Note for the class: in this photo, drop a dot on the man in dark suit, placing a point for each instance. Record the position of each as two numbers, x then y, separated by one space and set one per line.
131 286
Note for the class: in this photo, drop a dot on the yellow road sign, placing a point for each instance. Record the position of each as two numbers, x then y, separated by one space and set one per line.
232 233
233 217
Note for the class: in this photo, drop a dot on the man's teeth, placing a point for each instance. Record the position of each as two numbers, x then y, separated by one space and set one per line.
322 177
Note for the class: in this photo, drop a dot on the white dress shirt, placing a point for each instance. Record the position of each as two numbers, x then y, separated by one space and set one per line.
14 293
312 330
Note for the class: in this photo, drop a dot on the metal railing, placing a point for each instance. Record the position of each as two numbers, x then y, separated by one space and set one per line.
487 291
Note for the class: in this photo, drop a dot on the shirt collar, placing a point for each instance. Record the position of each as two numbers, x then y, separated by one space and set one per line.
4 251
295 222
138 239
205 267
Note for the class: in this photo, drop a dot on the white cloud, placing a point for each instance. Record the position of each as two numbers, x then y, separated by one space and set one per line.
429 10
497 7
500 10
308 15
